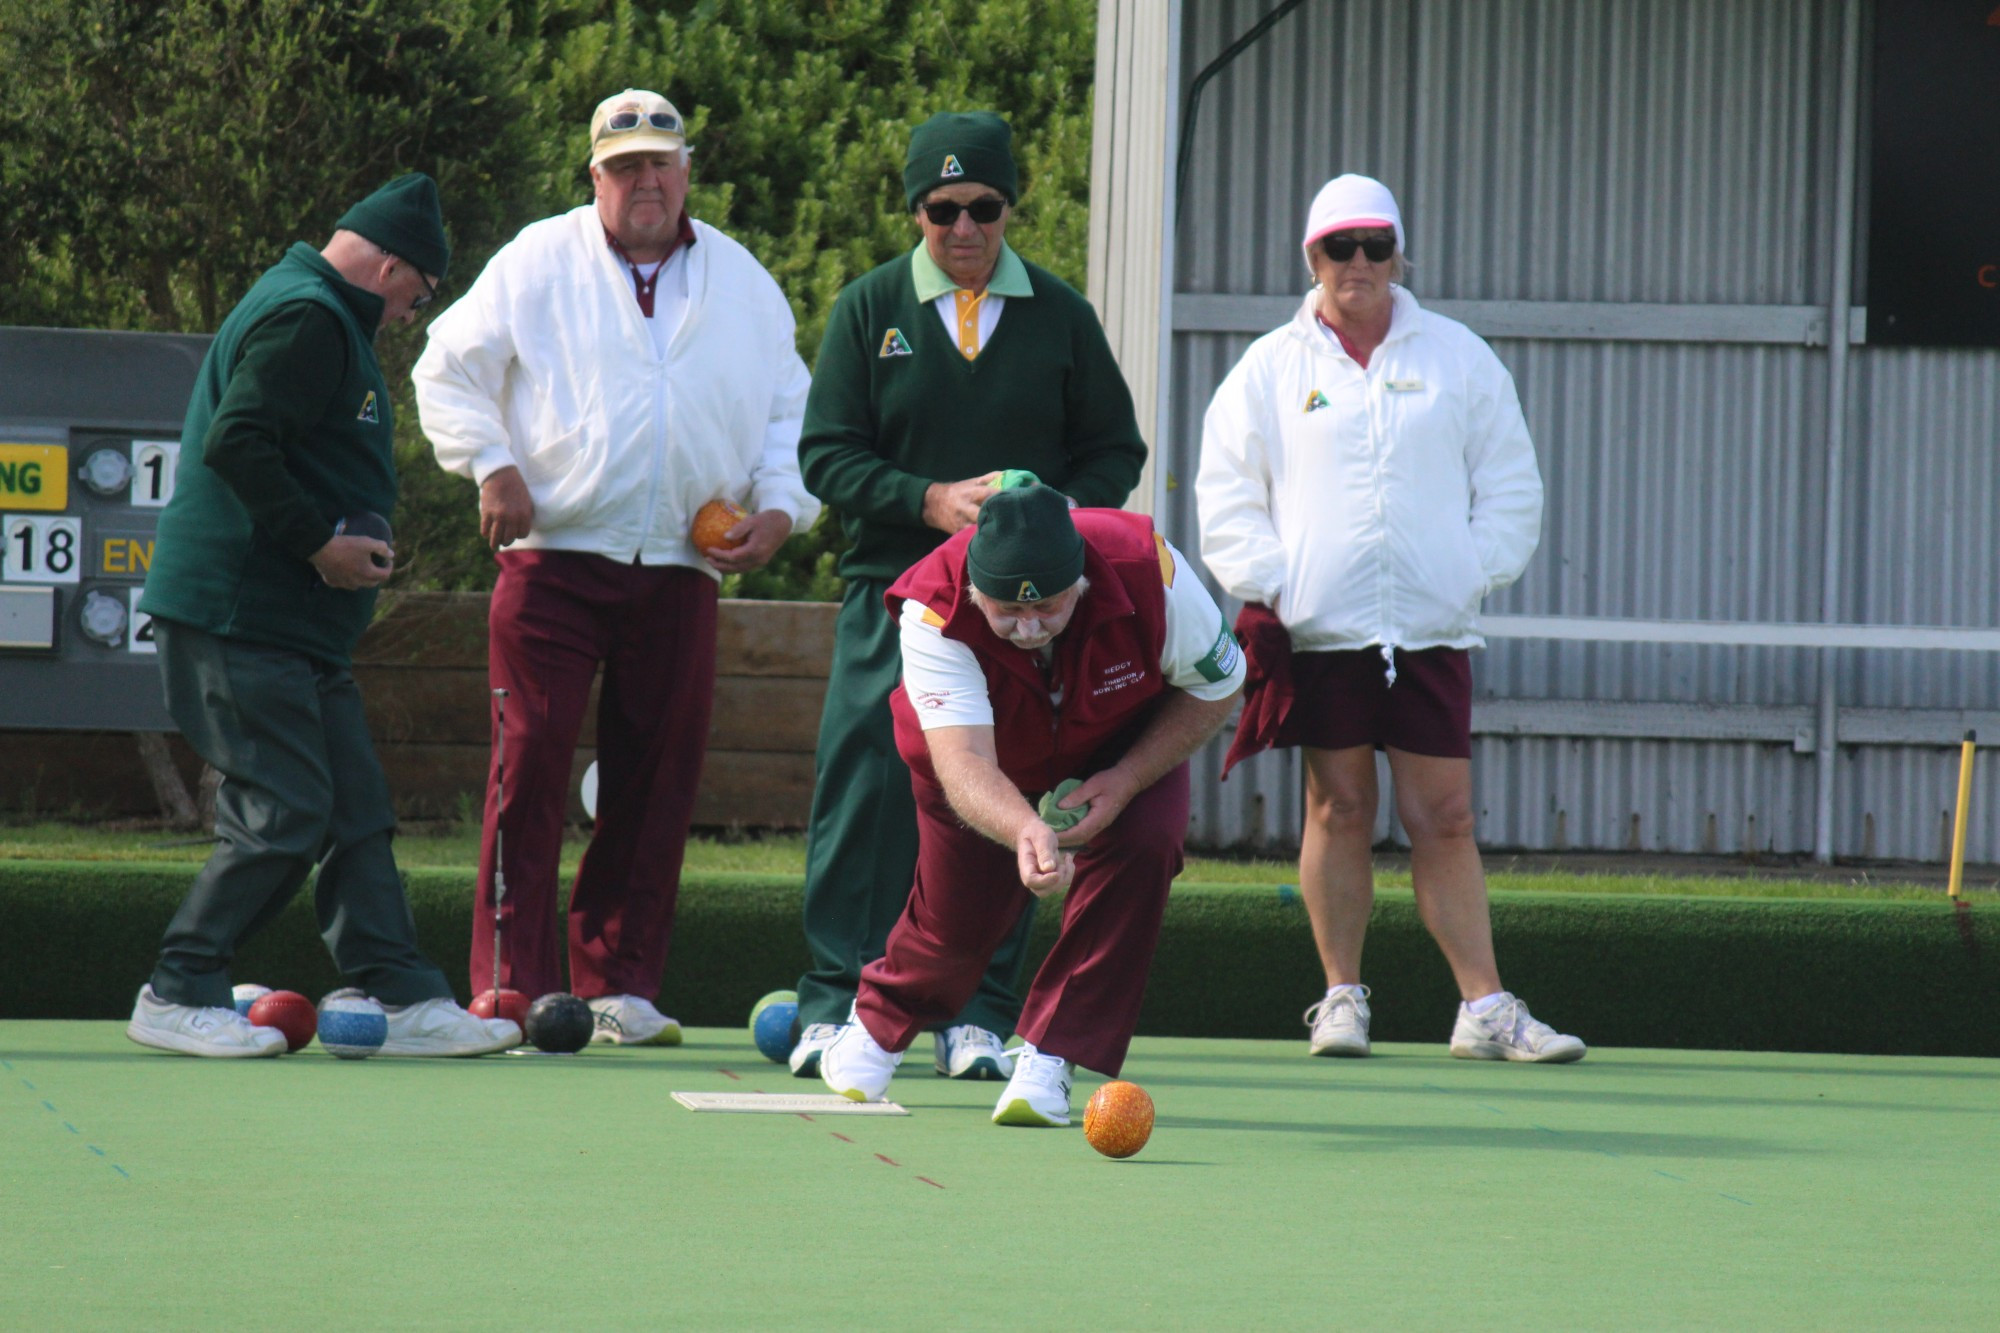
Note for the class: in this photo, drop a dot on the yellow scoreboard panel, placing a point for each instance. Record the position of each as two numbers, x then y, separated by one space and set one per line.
34 476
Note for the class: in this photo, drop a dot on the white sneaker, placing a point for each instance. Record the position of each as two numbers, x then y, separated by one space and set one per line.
1339 1023
440 1027
1038 1094
812 1044
1508 1031
192 1030
627 1020
856 1067
966 1051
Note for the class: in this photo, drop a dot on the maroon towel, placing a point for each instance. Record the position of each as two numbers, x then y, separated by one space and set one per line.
1267 682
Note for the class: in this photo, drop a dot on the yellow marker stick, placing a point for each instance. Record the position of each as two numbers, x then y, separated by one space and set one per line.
1964 804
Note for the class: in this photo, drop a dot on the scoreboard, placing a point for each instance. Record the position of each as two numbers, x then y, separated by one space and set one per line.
89 441
1934 175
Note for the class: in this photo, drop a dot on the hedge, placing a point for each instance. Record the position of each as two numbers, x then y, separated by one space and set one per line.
1907 978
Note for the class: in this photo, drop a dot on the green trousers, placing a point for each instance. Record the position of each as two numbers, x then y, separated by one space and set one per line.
301 787
861 843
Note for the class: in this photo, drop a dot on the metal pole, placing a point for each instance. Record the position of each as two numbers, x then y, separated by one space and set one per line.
1164 454
1827 752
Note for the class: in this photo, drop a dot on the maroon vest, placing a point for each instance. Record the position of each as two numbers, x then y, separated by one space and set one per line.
1107 658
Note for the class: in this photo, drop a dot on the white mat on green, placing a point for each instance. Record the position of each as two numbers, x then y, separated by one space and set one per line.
825 1103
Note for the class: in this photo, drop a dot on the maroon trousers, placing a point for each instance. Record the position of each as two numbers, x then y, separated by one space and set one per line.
556 616
1084 1003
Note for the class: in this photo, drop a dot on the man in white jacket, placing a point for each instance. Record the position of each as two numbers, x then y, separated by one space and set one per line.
1366 479
613 369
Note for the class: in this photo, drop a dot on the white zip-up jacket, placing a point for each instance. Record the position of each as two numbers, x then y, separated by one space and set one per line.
1377 506
546 364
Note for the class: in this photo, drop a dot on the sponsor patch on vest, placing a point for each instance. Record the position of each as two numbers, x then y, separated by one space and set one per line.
368 412
1315 401
951 167
1403 386
1219 662
895 344
1029 592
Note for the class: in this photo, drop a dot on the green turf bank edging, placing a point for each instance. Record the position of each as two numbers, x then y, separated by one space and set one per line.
77 939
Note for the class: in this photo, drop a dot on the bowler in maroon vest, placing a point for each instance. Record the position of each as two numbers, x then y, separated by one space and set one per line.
1064 660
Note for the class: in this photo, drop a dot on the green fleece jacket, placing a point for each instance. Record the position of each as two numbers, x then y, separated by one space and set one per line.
289 429
895 406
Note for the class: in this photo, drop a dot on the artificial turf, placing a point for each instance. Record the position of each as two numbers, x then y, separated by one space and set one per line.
1638 1189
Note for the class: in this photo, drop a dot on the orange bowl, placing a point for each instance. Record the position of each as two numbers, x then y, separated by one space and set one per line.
714 519
1118 1119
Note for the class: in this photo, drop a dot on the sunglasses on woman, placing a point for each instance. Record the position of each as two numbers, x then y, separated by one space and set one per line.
1340 249
944 212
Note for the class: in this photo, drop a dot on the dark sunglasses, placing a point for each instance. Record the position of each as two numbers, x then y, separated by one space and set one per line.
944 213
626 119
1340 249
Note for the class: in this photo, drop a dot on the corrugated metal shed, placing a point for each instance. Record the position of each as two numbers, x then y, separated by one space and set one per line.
1640 204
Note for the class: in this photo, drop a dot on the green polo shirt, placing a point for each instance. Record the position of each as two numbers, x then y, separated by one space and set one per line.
895 406
1010 276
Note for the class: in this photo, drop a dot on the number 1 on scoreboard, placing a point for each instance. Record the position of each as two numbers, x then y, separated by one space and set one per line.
154 463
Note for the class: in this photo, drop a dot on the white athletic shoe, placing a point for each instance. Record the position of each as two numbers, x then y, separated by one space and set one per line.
1038 1094
440 1027
966 1051
1508 1031
627 1020
191 1030
856 1067
812 1045
1339 1023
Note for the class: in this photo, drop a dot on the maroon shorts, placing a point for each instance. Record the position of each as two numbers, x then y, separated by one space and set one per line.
1344 699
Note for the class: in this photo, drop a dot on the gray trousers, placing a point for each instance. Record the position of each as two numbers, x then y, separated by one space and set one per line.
301 787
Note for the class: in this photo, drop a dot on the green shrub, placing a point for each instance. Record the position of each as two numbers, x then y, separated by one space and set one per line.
154 158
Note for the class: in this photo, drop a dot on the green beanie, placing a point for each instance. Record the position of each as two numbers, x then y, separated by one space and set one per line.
1027 546
403 218
954 147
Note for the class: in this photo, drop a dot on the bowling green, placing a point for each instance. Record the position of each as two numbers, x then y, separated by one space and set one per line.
1638 1189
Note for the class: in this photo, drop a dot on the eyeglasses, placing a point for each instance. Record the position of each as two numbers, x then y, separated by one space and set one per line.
1340 249
628 118
944 213
430 288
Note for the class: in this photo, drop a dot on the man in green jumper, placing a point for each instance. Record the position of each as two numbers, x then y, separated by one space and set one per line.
940 371
258 595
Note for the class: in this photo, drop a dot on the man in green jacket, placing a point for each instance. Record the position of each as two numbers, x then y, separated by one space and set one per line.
940 371
258 594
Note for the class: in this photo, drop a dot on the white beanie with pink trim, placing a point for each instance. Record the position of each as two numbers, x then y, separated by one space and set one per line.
1352 201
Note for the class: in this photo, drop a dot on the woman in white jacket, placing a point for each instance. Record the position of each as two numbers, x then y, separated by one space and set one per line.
1366 479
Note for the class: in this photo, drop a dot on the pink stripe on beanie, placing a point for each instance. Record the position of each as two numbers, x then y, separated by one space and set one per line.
1352 201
